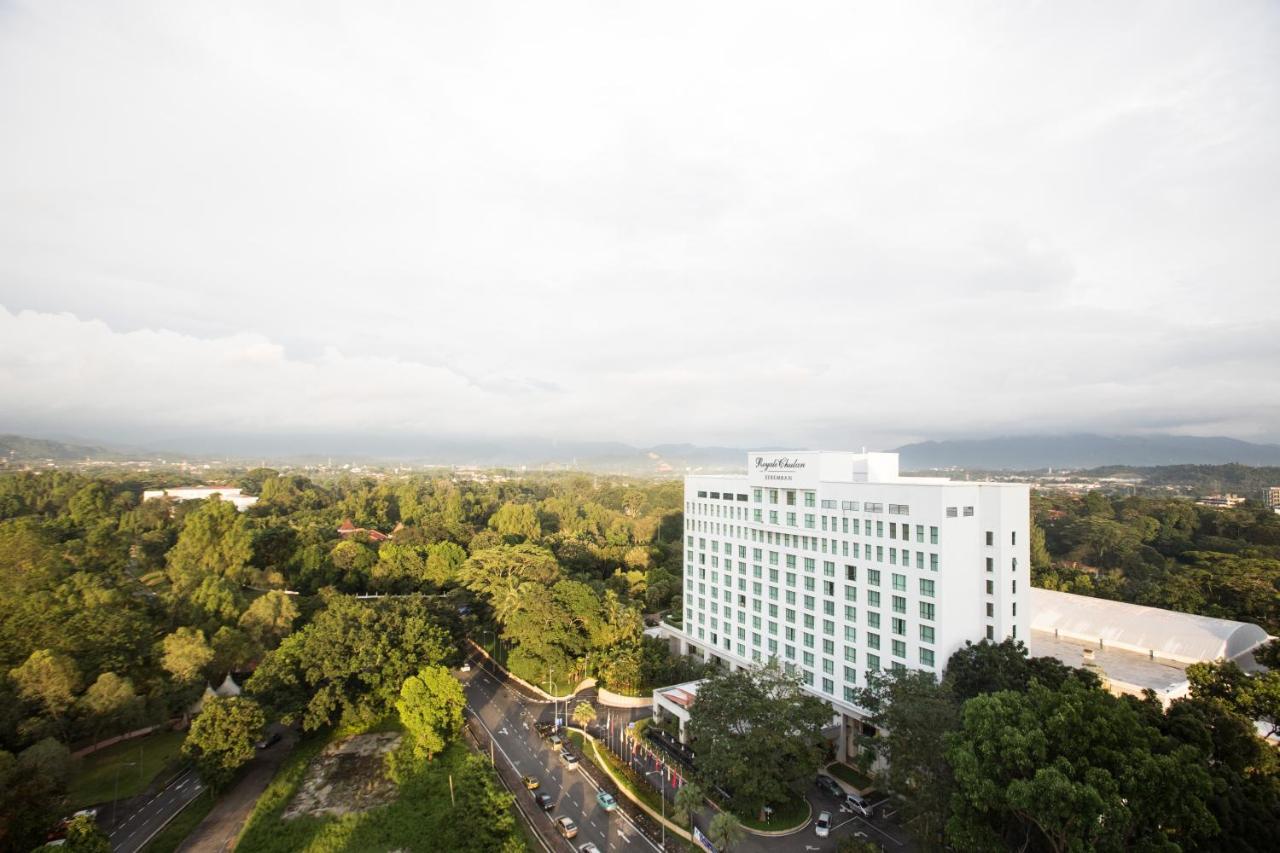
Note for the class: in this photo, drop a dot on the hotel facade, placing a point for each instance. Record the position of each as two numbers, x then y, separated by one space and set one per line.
835 565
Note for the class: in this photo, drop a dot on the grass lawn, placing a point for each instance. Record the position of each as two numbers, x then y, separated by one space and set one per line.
788 815
852 775
182 825
422 817
95 782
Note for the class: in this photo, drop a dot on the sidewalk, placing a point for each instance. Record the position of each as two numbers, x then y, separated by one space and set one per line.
221 827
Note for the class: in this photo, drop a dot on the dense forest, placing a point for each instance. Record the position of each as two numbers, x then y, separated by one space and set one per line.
1163 552
118 612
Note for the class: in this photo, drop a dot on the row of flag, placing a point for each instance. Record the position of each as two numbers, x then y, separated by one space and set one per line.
636 751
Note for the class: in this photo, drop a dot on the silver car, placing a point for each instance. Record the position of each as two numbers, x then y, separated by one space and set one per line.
823 826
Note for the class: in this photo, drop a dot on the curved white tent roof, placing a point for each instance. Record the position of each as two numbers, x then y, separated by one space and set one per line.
1167 634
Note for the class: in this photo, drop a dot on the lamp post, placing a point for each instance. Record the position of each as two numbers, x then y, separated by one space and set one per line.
663 797
116 797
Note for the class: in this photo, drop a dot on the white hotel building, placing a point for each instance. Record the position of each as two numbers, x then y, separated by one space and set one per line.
836 565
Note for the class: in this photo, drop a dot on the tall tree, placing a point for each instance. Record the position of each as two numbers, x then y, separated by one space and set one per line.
222 737
270 618
48 679
185 654
430 707
725 830
758 733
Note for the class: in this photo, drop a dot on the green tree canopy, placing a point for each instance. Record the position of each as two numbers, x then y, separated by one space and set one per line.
186 654
430 707
222 737
757 733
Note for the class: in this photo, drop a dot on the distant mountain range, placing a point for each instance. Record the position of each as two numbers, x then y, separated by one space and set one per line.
1022 453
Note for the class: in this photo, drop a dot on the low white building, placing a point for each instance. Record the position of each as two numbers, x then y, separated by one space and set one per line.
195 493
1132 647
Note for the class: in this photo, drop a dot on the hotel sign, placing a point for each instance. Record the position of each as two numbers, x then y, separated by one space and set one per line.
775 469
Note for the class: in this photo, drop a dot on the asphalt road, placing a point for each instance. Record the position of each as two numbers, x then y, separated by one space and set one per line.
508 718
144 818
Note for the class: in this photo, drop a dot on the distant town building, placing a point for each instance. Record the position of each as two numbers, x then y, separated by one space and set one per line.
347 529
1273 497
196 493
1135 648
1221 501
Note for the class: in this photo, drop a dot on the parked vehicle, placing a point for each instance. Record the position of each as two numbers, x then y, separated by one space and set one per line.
544 802
823 825
556 741
530 782
857 805
466 666
588 848
269 740
566 827
568 759
830 786
606 801
544 729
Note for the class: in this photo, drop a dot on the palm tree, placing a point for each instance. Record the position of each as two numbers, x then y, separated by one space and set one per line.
584 714
725 830
687 801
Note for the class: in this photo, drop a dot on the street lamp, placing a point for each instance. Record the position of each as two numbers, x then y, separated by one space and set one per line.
663 797
116 797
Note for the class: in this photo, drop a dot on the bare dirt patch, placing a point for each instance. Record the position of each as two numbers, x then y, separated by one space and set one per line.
350 775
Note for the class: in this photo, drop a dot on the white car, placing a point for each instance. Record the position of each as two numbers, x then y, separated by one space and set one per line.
466 666
823 826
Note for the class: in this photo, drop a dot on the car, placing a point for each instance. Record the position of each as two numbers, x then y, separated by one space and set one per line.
588 848
568 759
857 805
466 666
830 786
544 802
606 801
544 729
269 740
823 825
530 782
566 827
556 741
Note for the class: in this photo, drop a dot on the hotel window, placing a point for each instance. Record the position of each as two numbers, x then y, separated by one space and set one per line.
828 628
828 569
991 538
933 562
926 610
851 654
808 602
773 496
926 587
1015 609
851 573
850 593
791 497
827 686
873 619
873 598
807 659
900 582
879 553
991 634
968 512
933 536
757 495
829 588
880 529
926 634
791 519
809 564
809 499
829 666
850 634
919 559
850 674
873 663
848 691
808 641
920 533
991 564
899 626
757 515
873 577
1013 538
809 520
990 610
899 649
808 583
893 529
926 657
873 641
951 512
773 516
899 604
991 587
1015 586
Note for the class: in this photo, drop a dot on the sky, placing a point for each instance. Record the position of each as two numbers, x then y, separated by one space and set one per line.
732 223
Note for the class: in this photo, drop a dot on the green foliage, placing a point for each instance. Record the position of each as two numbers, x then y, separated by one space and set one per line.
423 816
430 708
1072 768
186 655
84 836
757 733
1253 696
687 801
270 618
352 659
32 795
209 560
222 737
49 680
725 830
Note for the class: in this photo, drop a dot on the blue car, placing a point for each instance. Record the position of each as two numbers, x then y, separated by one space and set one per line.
606 802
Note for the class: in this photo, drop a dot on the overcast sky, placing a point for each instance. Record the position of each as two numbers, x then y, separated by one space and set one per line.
732 223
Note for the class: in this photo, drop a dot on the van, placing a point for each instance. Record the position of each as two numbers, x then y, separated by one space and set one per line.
857 805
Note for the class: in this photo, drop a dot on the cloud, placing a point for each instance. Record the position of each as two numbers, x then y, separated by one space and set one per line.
850 224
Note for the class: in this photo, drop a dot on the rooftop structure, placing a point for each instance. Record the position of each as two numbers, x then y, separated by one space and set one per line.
347 529
230 494
1133 647
1222 501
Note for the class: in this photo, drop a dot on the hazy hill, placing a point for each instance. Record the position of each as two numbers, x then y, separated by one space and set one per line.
1085 451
